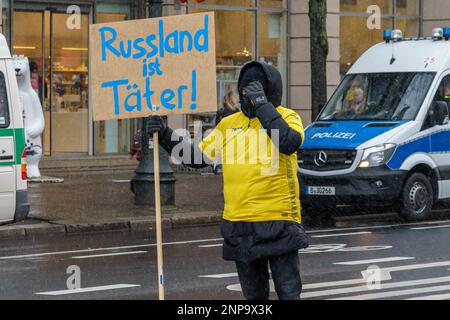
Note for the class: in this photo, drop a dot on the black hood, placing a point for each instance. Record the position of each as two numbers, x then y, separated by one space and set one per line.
273 86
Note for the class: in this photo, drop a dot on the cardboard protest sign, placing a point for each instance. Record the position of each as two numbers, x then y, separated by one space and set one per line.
158 66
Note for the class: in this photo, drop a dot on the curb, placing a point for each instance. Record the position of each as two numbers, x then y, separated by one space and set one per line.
133 224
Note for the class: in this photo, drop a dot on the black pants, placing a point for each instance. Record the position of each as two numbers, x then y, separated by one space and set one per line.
254 277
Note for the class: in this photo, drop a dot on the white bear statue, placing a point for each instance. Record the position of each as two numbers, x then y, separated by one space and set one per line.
33 115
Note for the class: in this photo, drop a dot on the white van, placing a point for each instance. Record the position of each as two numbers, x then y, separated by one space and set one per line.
13 172
383 138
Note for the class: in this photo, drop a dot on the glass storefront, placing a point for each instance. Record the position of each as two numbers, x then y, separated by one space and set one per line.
356 37
245 30
113 136
59 60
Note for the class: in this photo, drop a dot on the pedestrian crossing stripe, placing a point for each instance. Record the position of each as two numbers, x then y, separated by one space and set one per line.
346 289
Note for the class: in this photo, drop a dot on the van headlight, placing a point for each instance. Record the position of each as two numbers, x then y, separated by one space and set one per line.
377 156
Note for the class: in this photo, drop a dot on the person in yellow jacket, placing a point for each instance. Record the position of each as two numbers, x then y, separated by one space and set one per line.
258 146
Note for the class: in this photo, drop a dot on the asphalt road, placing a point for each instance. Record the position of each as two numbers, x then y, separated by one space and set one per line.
413 262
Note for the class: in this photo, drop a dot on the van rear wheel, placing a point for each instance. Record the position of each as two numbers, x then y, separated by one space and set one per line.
416 198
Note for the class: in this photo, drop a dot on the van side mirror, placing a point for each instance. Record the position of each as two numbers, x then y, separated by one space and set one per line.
439 113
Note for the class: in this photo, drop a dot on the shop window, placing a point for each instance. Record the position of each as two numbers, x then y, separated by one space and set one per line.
348 2
362 5
401 4
410 8
272 4
110 17
356 38
4 107
272 42
409 27
112 136
353 44
240 3
234 47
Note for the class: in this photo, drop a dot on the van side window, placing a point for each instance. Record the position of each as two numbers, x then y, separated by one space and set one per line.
442 94
4 109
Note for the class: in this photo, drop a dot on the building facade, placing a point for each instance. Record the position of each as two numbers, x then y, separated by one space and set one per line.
54 34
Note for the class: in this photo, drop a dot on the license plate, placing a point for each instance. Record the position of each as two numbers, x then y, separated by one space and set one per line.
323 191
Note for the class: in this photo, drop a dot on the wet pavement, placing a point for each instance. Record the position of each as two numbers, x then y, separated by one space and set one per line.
88 197
413 262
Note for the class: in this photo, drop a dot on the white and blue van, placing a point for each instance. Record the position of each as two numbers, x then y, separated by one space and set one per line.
383 138
13 171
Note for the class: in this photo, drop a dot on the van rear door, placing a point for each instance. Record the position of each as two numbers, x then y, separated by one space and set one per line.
7 151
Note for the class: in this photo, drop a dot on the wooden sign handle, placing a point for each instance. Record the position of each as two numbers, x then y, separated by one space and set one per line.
158 216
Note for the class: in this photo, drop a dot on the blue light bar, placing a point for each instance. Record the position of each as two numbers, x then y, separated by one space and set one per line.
446 33
387 35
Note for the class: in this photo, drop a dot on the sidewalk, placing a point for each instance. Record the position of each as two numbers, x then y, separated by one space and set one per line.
102 202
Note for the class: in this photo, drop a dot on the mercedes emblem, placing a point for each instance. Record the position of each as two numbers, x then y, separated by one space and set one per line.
320 159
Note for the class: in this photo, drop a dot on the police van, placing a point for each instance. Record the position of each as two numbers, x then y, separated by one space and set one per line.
383 138
13 172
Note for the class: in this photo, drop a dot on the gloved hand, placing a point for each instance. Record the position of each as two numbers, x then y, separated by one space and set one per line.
254 92
156 124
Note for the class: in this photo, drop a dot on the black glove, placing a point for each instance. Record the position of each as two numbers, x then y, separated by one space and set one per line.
156 124
254 92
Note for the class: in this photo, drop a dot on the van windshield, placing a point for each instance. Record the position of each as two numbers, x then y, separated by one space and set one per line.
379 96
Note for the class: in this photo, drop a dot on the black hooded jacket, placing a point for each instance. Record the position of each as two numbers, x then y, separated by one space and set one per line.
247 241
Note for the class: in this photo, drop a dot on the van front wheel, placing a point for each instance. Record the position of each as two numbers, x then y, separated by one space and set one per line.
416 198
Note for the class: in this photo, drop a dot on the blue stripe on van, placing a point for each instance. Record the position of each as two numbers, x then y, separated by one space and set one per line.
437 142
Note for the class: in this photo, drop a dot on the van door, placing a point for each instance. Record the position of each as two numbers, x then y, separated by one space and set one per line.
440 141
7 151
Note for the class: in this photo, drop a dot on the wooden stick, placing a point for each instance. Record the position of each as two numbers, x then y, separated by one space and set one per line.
158 216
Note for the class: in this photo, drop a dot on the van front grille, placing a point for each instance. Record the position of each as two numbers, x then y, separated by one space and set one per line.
326 159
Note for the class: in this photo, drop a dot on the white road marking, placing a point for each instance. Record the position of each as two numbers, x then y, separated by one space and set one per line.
220 275
109 254
339 247
341 234
385 272
353 263
338 283
211 245
385 276
426 228
331 292
399 293
381 226
88 289
210 240
104 249
445 296
384 286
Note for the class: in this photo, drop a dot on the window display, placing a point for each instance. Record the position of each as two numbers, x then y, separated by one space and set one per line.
237 43
353 16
